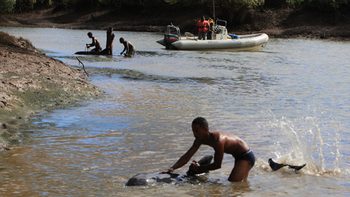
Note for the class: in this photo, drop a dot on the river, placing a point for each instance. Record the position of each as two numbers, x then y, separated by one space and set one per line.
289 102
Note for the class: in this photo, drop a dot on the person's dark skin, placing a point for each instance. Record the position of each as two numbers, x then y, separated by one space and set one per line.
128 48
94 42
221 143
109 42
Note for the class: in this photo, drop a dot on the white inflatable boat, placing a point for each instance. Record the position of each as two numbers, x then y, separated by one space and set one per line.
242 43
221 40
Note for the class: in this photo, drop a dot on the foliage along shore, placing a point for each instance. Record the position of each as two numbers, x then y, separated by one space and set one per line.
277 18
31 82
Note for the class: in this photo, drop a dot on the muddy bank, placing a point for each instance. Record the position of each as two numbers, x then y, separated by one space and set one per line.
283 23
32 82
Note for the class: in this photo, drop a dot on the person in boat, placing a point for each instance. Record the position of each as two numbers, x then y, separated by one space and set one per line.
95 43
221 143
211 29
109 42
203 28
128 48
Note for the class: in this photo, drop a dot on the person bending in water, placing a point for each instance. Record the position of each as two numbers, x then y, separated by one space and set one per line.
94 43
221 143
128 48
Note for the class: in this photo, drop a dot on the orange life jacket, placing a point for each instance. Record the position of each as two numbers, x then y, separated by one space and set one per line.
203 26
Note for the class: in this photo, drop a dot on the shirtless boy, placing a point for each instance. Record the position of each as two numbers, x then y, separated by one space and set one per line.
221 143
94 43
128 48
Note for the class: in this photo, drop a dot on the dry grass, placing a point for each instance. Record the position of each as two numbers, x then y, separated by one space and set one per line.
8 40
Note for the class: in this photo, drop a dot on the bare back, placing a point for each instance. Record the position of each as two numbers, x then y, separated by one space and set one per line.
232 143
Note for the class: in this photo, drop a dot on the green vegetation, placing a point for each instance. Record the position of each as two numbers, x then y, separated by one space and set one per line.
8 6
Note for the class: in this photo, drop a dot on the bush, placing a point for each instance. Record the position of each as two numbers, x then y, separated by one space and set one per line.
43 3
327 4
294 3
7 6
24 5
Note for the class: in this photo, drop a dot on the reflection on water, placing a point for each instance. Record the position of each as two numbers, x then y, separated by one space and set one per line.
289 102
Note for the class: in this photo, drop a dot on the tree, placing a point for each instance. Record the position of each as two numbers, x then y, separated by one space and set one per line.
7 6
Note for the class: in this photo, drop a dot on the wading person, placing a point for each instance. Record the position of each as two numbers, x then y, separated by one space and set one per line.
109 42
128 48
94 43
221 143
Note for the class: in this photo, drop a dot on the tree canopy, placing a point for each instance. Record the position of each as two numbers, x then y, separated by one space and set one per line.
8 6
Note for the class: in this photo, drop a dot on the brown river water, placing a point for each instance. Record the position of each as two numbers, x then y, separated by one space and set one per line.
289 102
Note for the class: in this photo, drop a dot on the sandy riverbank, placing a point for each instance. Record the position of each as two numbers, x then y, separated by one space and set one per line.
31 82
283 23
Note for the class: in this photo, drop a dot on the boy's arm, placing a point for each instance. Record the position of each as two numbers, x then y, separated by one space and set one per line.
92 43
123 49
186 157
218 156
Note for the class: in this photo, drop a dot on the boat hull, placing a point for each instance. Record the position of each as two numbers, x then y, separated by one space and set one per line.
251 42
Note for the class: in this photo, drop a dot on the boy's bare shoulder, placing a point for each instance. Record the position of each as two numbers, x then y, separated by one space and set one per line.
224 134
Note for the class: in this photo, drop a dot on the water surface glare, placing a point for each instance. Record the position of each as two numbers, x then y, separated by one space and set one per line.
290 102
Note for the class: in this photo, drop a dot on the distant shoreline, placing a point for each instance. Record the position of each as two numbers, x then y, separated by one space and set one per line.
282 23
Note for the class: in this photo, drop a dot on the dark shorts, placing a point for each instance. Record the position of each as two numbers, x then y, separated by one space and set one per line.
248 156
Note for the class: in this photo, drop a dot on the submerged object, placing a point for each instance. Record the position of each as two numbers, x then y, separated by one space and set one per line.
276 166
221 40
91 53
86 53
144 179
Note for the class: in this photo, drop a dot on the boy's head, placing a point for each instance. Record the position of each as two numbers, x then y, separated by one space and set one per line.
121 40
89 34
200 127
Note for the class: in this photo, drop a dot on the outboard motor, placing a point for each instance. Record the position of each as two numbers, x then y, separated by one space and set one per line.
171 35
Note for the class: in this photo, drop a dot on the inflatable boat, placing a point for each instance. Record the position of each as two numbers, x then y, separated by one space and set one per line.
221 40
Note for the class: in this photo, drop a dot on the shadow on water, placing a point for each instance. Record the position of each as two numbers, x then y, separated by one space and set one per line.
156 53
137 75
107 58
241 80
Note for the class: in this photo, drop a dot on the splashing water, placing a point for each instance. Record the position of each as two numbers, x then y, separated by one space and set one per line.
303 141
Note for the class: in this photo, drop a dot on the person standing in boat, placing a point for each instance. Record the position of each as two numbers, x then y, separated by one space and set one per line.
211 26
128 48
203 28
109 42
94 43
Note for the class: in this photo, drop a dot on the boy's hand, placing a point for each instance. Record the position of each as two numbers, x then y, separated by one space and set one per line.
194 167
168 171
